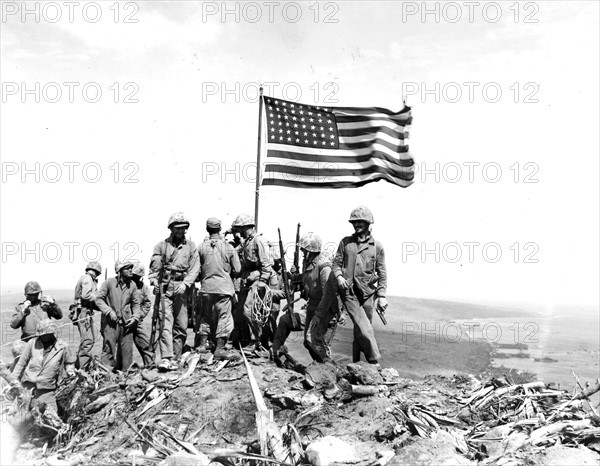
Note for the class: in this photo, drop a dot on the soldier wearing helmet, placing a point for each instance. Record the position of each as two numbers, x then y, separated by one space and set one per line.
316 277
219 263
257 271
174 267
82 311
34 309
42 364
118 301
360 271
139 325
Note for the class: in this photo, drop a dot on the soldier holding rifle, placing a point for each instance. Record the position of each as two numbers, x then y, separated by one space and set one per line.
82 311
315 277
173 270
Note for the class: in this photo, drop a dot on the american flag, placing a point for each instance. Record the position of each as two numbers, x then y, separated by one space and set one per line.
335 147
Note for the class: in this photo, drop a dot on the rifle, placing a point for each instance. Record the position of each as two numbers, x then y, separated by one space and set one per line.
297 253
289 296
158 316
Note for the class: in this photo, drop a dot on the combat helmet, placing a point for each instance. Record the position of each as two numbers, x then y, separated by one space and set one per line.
178 219
121 264
361 213
243 220
312 242
94 266
32 288
45 327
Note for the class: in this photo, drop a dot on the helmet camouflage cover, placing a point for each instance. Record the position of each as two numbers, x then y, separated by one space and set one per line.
243 220
312 242
94 266
178 219
119 265
361 213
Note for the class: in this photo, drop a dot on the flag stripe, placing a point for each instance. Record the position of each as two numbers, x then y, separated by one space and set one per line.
325 153
340 182
309 160
371 130
334 172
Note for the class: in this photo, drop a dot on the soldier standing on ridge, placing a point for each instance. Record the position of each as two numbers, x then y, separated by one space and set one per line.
218 263
83 310
118 300
34 309
316 274
359 268
257 271
141 329
173 270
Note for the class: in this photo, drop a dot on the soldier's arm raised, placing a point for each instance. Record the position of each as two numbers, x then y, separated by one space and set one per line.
18 318
265 259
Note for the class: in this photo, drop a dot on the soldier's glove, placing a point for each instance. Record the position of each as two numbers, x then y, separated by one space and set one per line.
131 323
252 277
48 299
70 370
180 289
382 304
112 317
342 283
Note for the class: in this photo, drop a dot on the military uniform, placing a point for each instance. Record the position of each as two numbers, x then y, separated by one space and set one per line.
41 366
179 264
256 260
27 317
362 264
218 263
141 331
315 277
85 294
119 300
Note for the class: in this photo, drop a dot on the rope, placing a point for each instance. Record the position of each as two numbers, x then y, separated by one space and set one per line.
57 326
261 307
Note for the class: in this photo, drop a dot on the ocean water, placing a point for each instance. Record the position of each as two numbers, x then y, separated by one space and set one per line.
572 340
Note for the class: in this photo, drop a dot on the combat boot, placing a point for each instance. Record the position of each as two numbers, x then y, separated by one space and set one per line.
221 353
202 345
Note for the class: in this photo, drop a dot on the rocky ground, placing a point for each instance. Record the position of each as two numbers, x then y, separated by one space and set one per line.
342 413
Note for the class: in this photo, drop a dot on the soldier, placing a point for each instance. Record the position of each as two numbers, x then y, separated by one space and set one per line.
118 300
138 324
85 294
359 268
316 275
34 309
173 270
44 361
257 272
218 263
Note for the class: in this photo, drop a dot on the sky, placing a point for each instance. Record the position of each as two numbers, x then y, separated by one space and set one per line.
504 207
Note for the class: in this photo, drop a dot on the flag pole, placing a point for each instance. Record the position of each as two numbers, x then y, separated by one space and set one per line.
258 150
